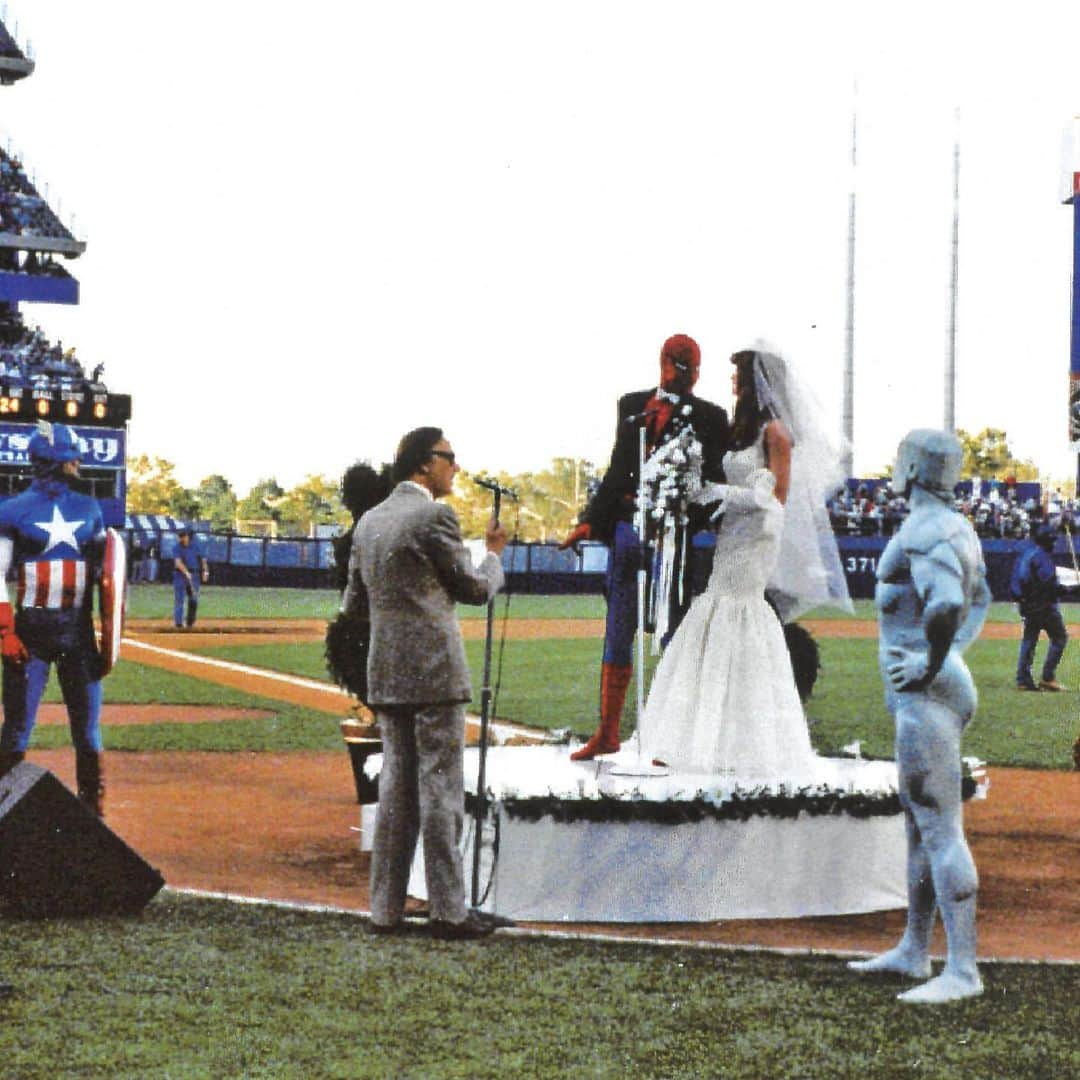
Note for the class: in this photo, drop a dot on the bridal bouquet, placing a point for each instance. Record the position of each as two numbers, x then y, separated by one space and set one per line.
670 477
668 480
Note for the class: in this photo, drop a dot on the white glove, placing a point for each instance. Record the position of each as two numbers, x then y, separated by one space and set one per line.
755 496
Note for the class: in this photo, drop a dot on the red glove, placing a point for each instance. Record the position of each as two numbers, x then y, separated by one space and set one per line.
577 534
11 648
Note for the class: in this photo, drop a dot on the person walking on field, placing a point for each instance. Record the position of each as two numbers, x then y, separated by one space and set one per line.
409 563
190 572
1034 587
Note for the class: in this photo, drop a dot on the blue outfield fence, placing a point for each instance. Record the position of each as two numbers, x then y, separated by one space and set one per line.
533 569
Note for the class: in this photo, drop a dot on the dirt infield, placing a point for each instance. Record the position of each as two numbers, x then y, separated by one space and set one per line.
286 826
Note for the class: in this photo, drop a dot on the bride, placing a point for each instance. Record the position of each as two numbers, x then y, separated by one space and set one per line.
724 697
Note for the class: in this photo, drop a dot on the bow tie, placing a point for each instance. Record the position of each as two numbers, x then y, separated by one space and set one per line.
664 395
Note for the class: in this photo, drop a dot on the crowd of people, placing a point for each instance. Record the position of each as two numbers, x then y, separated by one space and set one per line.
28 358
999 513
22 209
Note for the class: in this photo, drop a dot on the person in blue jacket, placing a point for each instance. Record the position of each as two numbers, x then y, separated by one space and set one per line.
1034 587
52 538
190 572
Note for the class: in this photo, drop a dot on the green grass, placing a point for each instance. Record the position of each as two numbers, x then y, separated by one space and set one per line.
553 684
288 727
240 602
236 602
1010 728
206 989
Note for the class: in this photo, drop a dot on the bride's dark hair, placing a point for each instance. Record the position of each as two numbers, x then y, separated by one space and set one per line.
749 417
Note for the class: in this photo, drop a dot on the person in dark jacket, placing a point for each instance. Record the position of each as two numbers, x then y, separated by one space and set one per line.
1035 588
663 412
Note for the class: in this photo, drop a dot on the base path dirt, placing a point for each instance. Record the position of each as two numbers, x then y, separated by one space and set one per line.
286 826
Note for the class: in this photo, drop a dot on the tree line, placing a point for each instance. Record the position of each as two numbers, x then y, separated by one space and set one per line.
547 505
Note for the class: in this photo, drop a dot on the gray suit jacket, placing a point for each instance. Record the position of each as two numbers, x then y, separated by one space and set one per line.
407 555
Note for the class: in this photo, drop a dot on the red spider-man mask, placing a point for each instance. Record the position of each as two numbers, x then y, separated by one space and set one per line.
680 364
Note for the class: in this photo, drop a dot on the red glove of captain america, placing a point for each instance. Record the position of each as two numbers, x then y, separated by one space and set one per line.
11 648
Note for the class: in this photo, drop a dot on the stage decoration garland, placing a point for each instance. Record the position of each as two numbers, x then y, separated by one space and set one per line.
732 804
590 802
741 805
669 477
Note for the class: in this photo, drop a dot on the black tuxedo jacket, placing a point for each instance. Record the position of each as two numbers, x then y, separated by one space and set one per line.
614 499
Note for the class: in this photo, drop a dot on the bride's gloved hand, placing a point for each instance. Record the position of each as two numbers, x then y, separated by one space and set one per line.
711 497
756 495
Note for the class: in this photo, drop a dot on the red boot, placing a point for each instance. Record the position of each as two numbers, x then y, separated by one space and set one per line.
614 680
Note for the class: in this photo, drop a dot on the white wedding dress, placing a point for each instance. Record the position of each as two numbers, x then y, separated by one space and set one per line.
723 698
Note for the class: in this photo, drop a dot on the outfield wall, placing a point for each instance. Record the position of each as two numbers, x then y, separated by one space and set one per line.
538 569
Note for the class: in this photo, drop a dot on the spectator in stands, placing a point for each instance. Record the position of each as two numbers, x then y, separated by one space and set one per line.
190 572
1035 588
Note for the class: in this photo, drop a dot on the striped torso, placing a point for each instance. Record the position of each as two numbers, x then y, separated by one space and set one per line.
56 537
52 583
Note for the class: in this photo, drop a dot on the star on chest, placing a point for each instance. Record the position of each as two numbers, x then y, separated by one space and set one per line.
59 533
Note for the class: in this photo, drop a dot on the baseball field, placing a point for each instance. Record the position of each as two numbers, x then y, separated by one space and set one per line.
227 770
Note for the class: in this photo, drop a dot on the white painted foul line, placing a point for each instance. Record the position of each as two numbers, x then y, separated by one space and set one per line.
501 731
243 669
599 938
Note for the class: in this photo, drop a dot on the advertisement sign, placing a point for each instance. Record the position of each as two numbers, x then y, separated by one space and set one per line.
102 448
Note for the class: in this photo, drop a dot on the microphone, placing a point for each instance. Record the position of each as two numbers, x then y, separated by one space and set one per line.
493 485
636 418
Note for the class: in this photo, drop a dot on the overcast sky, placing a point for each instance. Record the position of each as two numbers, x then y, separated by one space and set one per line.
314 226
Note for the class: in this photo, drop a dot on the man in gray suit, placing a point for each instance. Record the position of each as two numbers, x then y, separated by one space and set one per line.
409 562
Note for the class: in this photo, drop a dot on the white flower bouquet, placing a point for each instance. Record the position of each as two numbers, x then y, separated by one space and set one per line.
670 477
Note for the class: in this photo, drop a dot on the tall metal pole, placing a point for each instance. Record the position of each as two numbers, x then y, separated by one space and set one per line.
849 327
954 279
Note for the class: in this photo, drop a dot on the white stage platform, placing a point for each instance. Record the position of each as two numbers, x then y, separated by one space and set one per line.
577 842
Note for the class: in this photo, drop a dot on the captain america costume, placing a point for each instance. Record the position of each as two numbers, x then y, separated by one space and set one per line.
53 537
54 540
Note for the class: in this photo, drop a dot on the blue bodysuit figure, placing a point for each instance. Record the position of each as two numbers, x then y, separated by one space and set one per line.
54 538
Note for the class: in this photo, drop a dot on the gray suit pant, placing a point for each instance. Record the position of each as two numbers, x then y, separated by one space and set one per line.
421 794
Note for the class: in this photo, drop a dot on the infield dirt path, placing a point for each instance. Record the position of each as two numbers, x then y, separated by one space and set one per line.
286 826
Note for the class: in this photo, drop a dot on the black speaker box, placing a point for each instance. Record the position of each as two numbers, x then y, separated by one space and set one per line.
57 858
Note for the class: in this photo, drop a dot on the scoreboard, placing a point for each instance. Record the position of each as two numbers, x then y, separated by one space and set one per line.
99 421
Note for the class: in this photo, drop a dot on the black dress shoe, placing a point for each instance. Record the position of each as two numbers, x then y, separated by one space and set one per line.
474 925
385 930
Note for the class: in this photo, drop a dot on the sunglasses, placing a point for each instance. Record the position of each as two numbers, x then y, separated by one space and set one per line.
446 455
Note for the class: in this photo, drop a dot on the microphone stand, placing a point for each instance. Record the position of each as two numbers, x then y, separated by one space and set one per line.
640 768
485 717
